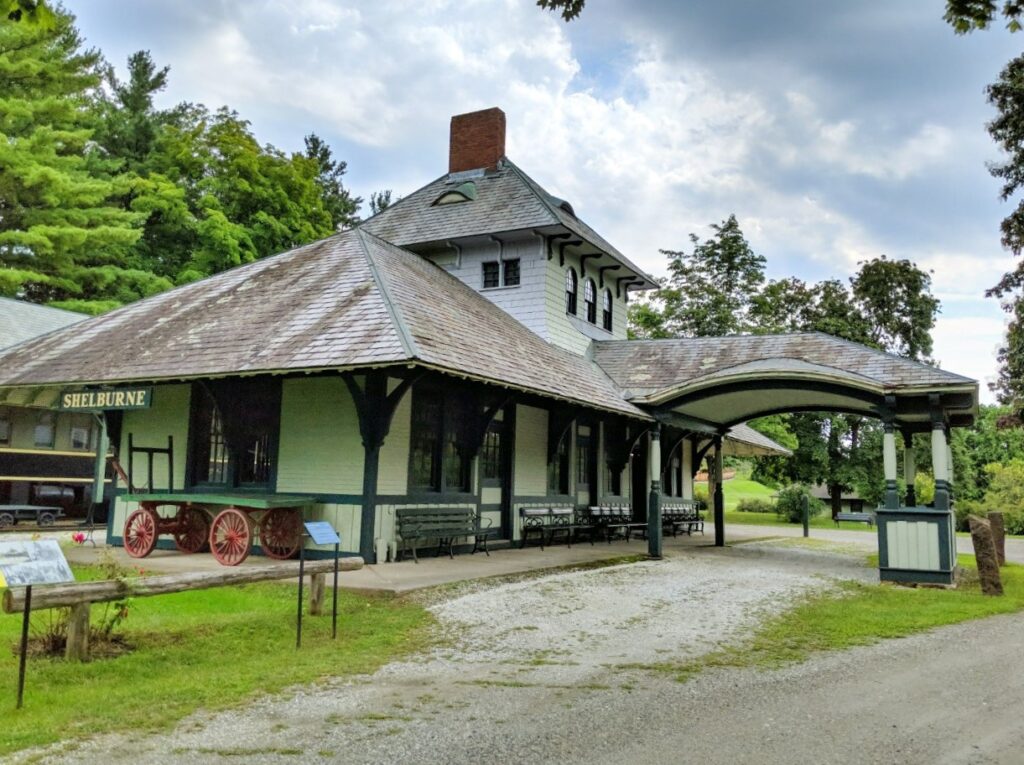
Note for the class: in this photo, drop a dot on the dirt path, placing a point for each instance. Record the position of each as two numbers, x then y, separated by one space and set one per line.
540 671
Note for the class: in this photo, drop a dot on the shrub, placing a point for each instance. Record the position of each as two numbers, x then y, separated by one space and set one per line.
790 503
700 491
755 505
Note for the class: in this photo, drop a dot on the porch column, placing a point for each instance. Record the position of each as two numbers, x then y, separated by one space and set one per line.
892 496
654 500
909 468
950 472
686 457
99 472
719 496
375 408
940 466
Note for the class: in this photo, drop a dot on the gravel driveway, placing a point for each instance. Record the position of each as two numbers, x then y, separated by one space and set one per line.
543 670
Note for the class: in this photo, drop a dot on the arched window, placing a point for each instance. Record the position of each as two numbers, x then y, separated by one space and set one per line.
570 291
590 301
606 318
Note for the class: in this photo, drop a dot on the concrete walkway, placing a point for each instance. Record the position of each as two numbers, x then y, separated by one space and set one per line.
406 576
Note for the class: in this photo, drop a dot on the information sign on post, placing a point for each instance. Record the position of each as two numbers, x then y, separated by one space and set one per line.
23 564
322 533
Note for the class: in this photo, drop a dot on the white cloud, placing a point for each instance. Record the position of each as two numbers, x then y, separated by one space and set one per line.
967 346
663 147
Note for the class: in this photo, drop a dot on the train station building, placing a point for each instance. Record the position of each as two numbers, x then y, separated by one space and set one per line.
464 348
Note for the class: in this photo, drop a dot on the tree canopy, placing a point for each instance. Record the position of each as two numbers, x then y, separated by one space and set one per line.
718 287
105 198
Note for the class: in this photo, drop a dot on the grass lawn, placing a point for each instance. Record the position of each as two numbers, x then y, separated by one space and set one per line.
861 614
738 488
208 649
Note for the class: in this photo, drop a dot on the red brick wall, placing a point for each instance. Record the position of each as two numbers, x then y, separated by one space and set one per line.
477 140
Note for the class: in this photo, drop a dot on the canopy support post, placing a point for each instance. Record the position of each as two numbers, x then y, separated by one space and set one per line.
654 500
719 497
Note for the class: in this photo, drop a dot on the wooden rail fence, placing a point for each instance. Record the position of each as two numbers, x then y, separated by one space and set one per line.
80 596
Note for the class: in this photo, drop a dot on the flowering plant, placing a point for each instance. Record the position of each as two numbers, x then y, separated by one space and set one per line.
78 537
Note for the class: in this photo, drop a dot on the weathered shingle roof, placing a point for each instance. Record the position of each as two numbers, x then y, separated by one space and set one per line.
507 199
348 301
752 443
21 321
645 368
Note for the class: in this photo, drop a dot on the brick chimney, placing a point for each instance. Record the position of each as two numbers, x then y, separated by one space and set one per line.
477 140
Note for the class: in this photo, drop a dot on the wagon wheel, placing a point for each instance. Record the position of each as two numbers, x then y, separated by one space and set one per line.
46 519
6 519
193 530
231 537
140 533
281 532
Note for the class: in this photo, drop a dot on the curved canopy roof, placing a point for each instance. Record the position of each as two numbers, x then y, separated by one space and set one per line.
727 380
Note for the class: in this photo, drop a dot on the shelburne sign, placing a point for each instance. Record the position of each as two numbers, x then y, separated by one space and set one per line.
98 400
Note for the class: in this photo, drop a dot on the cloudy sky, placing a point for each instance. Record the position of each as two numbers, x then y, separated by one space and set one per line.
834 131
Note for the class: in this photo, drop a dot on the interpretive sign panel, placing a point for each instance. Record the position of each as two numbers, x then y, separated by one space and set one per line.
98 400
321 533
23 564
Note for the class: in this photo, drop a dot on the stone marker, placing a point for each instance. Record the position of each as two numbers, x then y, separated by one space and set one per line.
995 520
985 555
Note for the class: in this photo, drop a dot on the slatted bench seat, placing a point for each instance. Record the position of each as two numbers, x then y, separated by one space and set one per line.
868 518
616 519
685 516
547 522
445 524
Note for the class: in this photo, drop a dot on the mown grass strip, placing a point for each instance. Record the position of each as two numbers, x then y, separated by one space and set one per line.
209 649
856 614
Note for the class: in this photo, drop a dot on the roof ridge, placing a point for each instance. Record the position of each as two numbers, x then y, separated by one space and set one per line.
534 188
404 336
890 354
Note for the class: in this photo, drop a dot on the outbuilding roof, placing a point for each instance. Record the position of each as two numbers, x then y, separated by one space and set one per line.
348 301
21 321
506 200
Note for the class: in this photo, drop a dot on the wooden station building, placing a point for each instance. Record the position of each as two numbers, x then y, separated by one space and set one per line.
465 347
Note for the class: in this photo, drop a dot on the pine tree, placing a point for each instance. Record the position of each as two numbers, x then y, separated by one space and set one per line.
63 239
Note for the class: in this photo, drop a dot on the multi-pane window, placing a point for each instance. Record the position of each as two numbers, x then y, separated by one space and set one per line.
45 431
5 427
255 463
558 468
511 272
590 301
81 436
570 291
612 481
606 318
425 472
438 456
583 457
491 274
501 274
491 452
211 462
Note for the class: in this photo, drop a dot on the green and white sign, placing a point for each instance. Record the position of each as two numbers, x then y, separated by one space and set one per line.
98 400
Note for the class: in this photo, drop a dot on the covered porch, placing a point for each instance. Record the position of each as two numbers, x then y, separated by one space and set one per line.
710 385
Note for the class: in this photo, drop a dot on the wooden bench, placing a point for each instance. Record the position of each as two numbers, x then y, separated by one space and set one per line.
682 515
615 519
868 518
547 522
445 524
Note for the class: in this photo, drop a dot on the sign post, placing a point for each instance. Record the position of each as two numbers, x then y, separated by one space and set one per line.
23 564
322 533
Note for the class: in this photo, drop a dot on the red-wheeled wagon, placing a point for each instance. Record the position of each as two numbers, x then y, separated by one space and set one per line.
229 524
